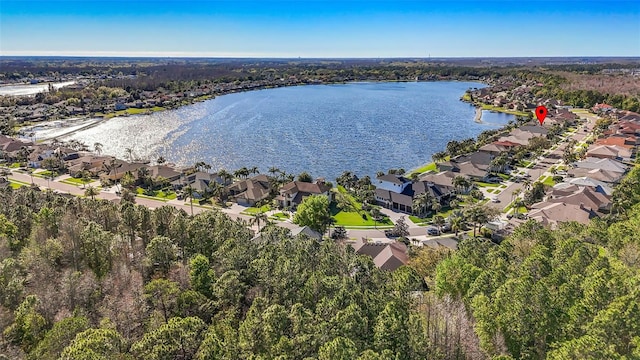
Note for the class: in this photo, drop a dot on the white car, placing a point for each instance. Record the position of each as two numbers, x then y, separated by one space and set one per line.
495 200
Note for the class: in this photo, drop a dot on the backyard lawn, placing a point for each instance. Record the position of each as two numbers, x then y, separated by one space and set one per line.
76 181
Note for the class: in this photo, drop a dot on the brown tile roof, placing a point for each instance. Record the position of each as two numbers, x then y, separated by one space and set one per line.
554 213
305 187
389 256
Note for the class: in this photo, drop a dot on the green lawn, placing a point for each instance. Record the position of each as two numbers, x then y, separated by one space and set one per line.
255 210
525 163
548 180
280 216
490 191
76 181
418 220
353 218
14 165
157 194
17 184
428 167
484 184
503 110
503 176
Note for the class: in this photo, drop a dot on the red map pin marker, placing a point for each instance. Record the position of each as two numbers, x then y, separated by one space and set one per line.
541 113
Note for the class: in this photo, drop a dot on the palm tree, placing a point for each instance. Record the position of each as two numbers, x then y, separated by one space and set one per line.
479 214
421 202
254 170
438 220
91 192
199 165
161 160
439 156
97 147
461 183
456 223
225 176
273 171
129 153
257 218
435 205
189 191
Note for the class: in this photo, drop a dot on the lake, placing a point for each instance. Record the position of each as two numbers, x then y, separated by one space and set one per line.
321 129
31 89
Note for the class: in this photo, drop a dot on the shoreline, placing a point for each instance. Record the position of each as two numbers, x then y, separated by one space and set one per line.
203 98
478 117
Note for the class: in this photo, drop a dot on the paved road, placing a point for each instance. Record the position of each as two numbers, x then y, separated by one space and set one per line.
543 165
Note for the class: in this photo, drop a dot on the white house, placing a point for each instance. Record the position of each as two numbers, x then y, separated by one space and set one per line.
392 182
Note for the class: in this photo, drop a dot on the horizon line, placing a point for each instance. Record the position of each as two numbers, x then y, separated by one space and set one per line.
192 55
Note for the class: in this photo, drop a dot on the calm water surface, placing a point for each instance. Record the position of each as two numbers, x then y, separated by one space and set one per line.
324 129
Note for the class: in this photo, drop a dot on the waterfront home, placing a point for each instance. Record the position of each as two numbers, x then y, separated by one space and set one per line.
386 256
10 145
497 147
250 191
392 182
164 172
398 194
292 193
92 163
199 181
120 168
523 134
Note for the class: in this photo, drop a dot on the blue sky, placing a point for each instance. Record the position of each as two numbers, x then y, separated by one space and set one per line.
320 28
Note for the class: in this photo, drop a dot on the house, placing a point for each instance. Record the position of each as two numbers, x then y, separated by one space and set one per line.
388 256
627 141
8 144
199 181
579 195
606 176
403 201
551 214
599 186
392 182
298 231
120 168
523 134
610 152
443 178
91 163
497 147
292 194
164 172
306 231
603 164
250 191
39 154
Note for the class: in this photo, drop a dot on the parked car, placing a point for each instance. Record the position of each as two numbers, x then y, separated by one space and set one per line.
390 234
433 231
495 200
446 227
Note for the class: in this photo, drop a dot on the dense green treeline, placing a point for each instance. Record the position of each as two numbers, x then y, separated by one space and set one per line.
572 293
91 279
